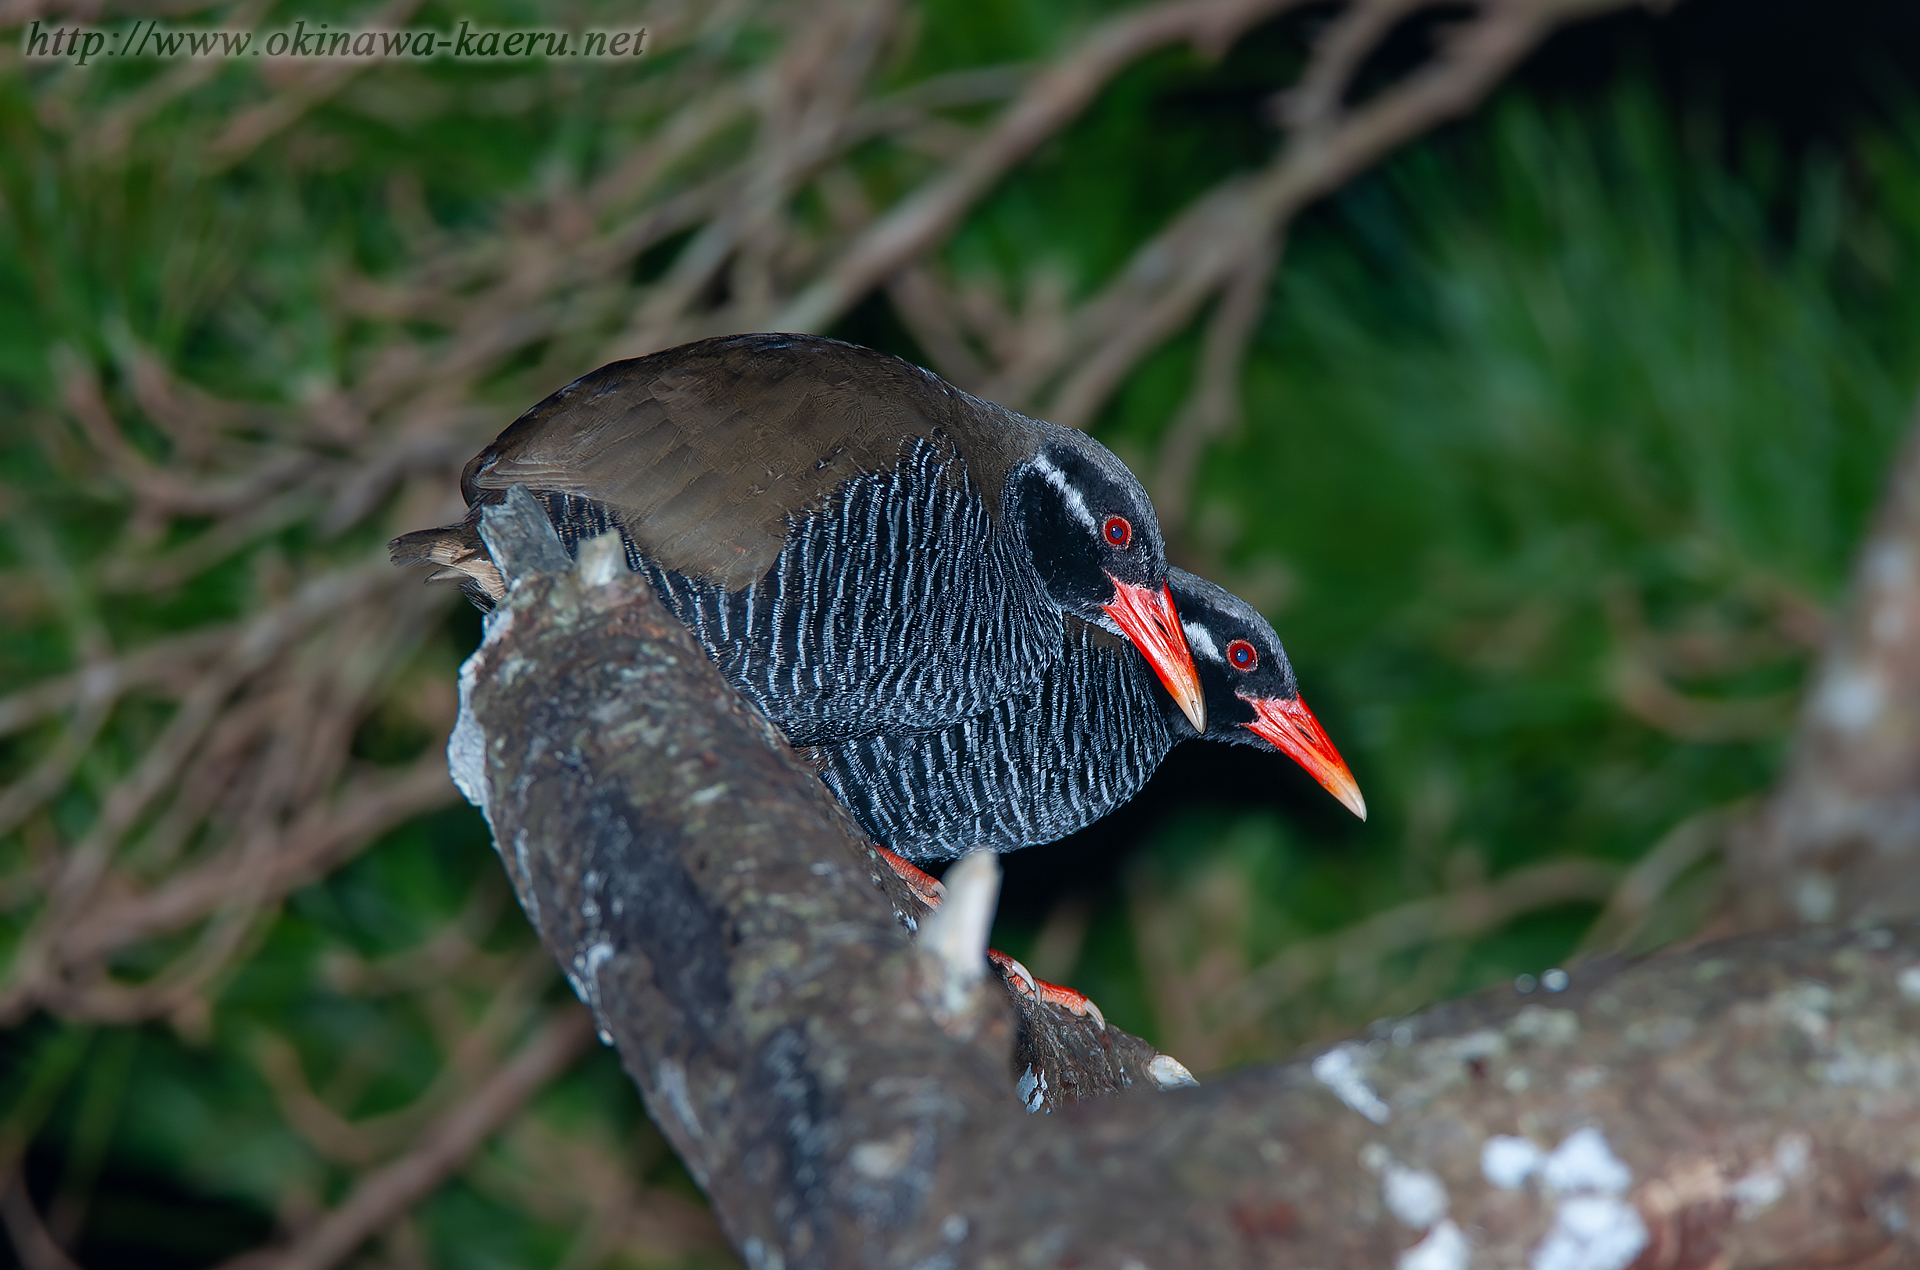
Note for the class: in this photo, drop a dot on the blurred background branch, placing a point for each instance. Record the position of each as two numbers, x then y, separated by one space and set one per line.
1545 438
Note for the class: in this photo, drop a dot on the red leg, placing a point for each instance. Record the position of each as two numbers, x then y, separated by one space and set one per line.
929 891
925 887
1022 981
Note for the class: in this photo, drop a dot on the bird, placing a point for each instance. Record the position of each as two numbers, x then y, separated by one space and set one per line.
1042 765
861 548
1039 767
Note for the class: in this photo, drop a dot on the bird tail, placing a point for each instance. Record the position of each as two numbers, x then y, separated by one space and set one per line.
460 557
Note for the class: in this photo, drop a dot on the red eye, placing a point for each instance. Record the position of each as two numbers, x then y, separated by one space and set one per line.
1118 531
1242 656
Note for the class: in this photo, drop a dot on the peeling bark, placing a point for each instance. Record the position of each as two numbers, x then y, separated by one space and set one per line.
1753 1103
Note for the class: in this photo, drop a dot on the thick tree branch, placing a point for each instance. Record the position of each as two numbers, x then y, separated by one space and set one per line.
1840 838
1754 1103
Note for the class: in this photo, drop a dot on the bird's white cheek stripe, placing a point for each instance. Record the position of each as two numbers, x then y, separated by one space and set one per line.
1200 640
1068 494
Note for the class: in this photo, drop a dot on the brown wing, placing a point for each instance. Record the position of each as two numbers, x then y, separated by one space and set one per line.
702 452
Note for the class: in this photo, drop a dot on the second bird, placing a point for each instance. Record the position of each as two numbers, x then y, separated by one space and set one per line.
1046 764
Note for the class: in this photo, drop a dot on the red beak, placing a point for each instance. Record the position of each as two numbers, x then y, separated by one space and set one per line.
1149 620
1292 727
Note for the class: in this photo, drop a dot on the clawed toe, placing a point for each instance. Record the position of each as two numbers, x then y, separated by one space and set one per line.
1077 1003
925 887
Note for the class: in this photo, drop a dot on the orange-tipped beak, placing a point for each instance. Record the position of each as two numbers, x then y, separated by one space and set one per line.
1149 620
1292 727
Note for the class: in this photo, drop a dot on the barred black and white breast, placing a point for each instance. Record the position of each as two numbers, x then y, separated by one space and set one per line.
862 548
1040 766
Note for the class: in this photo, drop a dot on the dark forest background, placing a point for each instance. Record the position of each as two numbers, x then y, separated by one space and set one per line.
1547 445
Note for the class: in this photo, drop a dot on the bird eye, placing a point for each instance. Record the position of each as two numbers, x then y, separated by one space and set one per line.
1118 531
1242 656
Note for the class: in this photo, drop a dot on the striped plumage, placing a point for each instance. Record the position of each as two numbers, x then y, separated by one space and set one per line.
861 547
1038 767
853 612
1033 769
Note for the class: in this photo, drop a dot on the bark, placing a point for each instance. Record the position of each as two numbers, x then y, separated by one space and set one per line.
847 1098
1840 838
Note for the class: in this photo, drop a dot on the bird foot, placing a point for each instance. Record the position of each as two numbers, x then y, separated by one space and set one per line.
928 890
1021 980
925 887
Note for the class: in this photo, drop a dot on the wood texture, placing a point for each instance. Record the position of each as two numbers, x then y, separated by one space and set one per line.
1840 837
1754 1103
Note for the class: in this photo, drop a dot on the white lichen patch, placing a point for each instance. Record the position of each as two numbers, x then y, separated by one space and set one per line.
1584 1163
1850 699
1581 1079
1792 1153
1890 566
1815 896
1032 1090
1343 1069
1416 1197
1545 1026
1765 1184
1804 1007
1593 1229
1856 1067
467 746
1591 1232
672 1080
1909 982
880 1160
1759 1190
1507 1162
529 897
1445 1248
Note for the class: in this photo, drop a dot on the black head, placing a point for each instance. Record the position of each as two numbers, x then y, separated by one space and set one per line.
1097 549
1088 524
1252 695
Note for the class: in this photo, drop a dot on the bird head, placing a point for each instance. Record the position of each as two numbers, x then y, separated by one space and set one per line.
1097 548
1252 695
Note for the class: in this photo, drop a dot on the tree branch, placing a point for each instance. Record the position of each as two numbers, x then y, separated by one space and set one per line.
1754 1103
1840 838
925 218
385 1194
